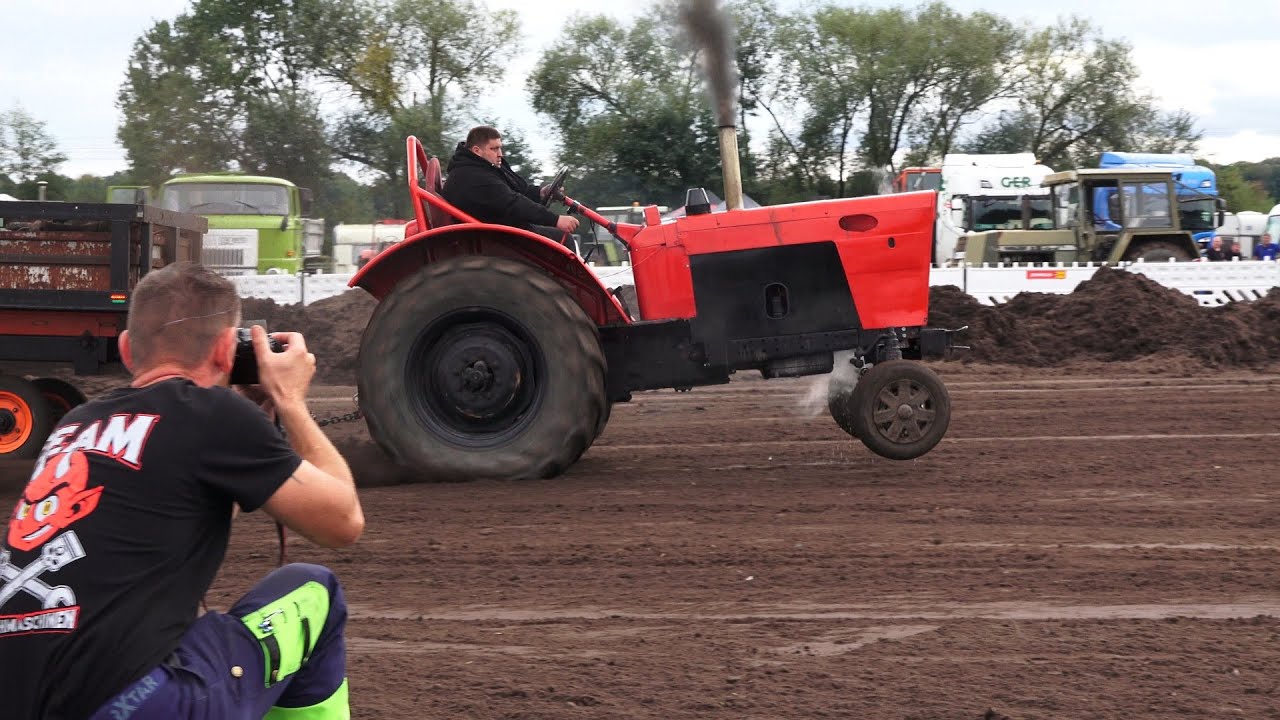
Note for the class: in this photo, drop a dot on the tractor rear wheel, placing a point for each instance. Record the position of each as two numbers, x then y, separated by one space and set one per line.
60 394
482 367
901 409
25 418
1160 251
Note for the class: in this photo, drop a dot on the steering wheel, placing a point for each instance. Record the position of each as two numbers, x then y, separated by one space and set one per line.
557 184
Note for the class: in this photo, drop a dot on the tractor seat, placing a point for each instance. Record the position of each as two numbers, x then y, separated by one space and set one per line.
434 183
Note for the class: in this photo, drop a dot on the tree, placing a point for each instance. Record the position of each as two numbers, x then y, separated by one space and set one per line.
1265 174
226 85
421 69
26 148
1241 194
1077 99
630 110
871 83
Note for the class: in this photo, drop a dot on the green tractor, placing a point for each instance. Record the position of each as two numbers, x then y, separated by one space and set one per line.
1105 216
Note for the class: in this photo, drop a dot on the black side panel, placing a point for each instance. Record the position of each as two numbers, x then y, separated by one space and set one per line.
737 294
652 355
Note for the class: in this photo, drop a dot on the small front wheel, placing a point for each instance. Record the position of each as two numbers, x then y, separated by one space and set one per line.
841 384
901 409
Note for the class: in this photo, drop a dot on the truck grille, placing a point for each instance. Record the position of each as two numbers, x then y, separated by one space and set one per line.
223 257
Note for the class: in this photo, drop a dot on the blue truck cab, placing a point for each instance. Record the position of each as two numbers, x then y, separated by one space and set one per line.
1196 190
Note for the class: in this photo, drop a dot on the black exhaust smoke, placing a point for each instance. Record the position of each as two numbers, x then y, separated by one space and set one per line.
710 32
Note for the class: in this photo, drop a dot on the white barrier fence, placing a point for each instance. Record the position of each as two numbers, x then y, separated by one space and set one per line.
1211 284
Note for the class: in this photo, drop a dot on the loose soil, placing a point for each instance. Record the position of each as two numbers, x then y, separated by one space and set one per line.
1094 538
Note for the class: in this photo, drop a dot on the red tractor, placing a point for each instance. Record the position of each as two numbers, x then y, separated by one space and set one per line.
495 352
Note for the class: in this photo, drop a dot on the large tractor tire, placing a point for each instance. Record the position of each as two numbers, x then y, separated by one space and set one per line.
901 409
25 418
1160 251
60 394
482 367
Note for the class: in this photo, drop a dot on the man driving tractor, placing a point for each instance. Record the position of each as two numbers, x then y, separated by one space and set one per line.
482 184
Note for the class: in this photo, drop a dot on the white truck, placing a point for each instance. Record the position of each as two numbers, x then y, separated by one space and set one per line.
1247 226
991 188
350 240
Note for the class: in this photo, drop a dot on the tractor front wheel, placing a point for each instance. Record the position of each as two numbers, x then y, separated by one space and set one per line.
482 367
25 418
841 384
901 409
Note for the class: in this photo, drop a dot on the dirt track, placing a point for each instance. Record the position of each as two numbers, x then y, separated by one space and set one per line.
1078 546
1094 538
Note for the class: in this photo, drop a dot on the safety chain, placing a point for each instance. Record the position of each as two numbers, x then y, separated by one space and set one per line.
335 419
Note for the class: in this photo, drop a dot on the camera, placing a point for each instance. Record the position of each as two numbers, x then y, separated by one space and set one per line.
244 369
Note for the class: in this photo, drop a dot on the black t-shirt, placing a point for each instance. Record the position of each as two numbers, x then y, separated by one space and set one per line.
118 536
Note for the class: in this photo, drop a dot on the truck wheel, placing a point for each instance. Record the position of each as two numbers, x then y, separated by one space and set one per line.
1154 252
25 418
841 384
482 367
901 409
60 394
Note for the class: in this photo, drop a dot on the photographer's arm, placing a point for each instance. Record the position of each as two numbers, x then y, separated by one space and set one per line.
319 500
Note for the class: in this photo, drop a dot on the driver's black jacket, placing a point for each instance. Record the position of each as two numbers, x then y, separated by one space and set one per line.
493 194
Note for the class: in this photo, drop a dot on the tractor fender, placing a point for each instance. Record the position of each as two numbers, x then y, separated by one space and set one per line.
381 275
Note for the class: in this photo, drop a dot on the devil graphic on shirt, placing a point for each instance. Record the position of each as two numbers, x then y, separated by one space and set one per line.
58 496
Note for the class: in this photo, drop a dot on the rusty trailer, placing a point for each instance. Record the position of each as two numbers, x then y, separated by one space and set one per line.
66 274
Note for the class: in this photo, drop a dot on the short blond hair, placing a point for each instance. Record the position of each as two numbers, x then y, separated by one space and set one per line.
176 314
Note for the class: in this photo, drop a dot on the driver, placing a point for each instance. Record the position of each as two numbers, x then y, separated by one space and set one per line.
481 183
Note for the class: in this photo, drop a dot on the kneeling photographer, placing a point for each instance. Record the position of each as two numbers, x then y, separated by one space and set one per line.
126 519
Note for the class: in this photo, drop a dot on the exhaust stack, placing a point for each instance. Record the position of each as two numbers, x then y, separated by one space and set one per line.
710 34
732 169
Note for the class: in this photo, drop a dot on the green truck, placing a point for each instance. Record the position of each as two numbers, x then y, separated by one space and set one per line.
257 224
1106 216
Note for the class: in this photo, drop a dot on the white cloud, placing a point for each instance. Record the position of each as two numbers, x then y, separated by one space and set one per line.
1247 145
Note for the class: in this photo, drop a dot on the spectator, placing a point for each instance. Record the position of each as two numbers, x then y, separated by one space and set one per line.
1266 249
1234 253
1215 253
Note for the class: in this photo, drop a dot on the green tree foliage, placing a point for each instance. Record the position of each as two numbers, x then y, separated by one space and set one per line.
225 86
232 85
1241 193
27 151
1265 174
629 106
870 83
1076 99
419 73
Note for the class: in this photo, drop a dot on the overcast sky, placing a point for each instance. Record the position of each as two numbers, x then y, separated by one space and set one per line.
1217 60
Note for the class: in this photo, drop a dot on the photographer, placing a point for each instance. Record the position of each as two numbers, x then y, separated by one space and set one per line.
118 535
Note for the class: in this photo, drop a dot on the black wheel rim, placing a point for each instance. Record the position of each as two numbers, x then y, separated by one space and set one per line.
904 411
476 377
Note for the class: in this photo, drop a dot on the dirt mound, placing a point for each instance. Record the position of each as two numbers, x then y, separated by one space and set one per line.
1116 316
332 327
